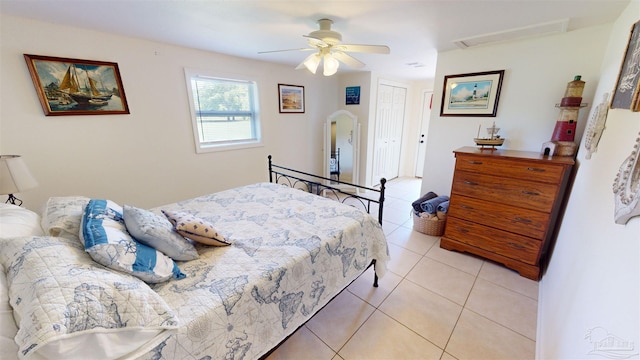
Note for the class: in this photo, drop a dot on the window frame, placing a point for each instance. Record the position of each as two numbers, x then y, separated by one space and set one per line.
206 147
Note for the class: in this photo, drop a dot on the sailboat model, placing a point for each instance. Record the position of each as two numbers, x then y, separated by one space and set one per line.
71 86
493 140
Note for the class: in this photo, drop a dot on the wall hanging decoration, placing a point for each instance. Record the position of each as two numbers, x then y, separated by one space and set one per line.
352 95
595 127
77 87
291 98
626 187
474 94
625 95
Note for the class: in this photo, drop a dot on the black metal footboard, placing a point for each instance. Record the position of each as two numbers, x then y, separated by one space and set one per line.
322 186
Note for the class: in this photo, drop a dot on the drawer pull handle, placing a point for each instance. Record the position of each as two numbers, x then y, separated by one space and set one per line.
470 183
516 246
523 220
533 193
473 162
467 207
462 230
536 169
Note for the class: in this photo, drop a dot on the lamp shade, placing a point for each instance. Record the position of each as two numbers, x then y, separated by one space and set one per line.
331 65
312 62
15 176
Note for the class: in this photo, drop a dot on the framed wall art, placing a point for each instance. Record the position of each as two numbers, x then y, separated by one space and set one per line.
474 94
291 98
352 95
77 87
626 92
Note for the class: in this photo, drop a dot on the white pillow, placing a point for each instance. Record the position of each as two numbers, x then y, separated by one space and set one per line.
64 303
105 238
156 231
17 221
61 216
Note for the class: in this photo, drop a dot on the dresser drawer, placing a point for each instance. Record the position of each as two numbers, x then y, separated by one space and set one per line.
509 218
507 244
536 171
520 193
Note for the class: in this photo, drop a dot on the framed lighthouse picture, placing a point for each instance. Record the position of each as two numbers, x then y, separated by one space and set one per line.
77 87
474 94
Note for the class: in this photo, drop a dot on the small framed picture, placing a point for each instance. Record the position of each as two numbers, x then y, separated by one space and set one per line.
626 92
291 98
474 94
352 95
77 87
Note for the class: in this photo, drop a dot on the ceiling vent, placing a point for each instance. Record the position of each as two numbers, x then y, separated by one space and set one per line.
553 27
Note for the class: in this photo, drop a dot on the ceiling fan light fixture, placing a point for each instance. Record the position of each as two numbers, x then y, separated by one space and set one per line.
331 65
312 62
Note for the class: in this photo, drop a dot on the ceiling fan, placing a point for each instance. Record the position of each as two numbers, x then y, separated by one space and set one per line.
328 47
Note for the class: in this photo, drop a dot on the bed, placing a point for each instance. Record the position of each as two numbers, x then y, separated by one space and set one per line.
290 253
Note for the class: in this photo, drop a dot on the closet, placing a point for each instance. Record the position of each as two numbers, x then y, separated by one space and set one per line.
388 131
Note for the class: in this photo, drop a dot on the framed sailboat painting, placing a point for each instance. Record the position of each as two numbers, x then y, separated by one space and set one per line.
77 87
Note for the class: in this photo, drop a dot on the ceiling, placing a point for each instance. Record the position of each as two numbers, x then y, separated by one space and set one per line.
414 30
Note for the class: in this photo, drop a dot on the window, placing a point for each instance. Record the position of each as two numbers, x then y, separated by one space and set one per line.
224 112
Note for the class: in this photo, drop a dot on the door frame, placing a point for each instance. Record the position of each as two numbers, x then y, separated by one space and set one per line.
425 115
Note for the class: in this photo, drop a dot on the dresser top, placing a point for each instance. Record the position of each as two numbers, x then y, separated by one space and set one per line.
504 153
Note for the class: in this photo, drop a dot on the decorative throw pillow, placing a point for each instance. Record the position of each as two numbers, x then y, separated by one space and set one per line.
106 239
156 231
195 228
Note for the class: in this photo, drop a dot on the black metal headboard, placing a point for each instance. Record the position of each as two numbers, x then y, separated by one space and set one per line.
322 186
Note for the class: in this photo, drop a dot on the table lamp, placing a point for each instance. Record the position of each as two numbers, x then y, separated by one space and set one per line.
15 177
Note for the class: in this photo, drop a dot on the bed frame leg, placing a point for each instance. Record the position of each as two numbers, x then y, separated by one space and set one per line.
375 276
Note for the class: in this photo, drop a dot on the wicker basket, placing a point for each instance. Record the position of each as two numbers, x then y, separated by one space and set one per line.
430 224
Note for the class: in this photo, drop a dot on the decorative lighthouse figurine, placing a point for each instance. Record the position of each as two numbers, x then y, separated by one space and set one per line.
562 141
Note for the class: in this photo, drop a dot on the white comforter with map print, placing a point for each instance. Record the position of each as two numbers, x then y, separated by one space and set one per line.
291 253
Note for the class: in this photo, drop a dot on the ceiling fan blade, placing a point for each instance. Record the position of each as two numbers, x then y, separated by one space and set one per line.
275 51
374 49
348 60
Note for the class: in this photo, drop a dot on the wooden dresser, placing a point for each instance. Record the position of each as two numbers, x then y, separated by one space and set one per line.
504 205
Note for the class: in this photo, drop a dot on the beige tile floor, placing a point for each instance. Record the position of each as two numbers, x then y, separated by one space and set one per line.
431 304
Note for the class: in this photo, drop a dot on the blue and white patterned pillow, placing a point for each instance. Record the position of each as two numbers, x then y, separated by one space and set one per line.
106 239
156 231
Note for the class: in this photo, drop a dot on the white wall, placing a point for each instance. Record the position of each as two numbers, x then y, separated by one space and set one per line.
366 113
593 278
150 152
146 158
362 111
536 75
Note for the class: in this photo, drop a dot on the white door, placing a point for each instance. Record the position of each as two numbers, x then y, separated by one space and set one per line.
388 131
427 98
